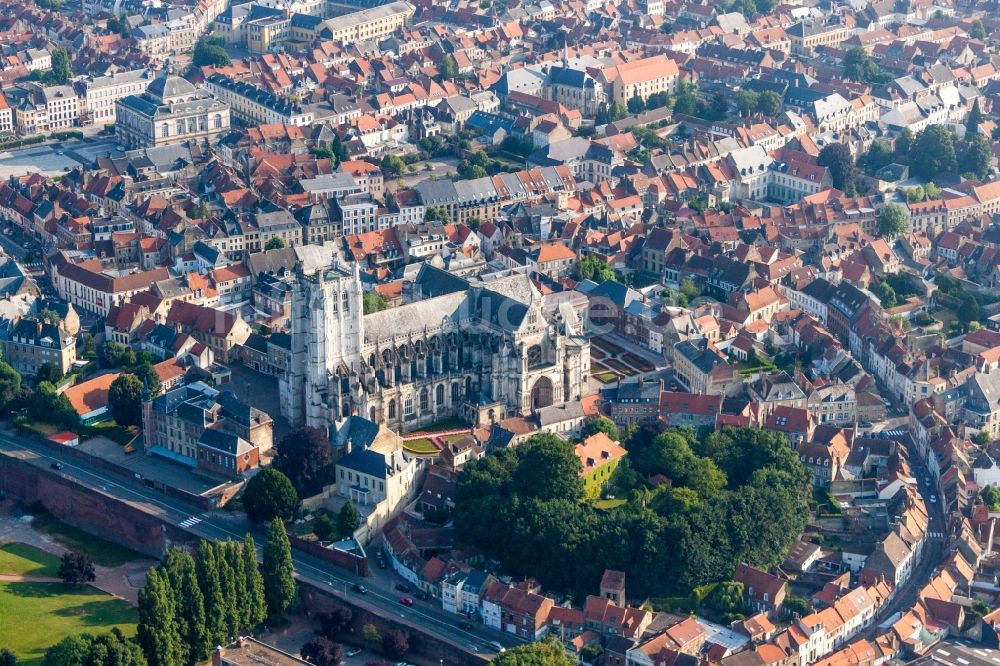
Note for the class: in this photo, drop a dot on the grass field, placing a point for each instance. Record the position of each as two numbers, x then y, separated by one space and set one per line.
606 377
422 445
103 552
20 559
35 616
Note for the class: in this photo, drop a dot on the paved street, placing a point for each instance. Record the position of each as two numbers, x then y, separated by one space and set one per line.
219 525
906 594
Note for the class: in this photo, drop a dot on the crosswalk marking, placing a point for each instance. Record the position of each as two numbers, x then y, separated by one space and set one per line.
936 535
190 522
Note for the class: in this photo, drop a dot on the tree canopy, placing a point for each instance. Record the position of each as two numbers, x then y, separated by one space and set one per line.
592 268
305 457
524 507
125 399
210 52
838 159
892 220
268 495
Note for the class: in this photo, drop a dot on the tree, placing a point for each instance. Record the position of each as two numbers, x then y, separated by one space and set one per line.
878 155
157 629
189 601
207 569
977 156
892 221
636 105
60 73
374 302
592 268
548 652
371 635
933 152
719 106
969 310
686 100
256 604
448 69
974 119
148 377
549 469
886 294
7 658
10 386
395 643
392 165
746 101
348 520
977 31
769 103
797 605
323 528
274 243
982 438
435 214
210 52
689 289
322 652
279 575
269 495
600 424
837 158
932 191
335 621
305 457
110 649
48 372
125 399
858 66
76 567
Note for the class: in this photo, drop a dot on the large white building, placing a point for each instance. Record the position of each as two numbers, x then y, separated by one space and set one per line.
481 351
171 111
99 94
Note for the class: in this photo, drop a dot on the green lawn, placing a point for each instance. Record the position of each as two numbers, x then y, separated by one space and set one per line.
606 377
103 552
20 559
422 445
35 616
607 504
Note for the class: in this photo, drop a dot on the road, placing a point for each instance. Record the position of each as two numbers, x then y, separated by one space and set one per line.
217 525
906 594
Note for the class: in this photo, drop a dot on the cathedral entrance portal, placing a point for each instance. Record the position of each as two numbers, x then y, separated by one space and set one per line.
541 393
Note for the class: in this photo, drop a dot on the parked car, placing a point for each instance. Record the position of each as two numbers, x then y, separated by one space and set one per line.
403 587
359 588
423 596
57 465
406 601
465 626
496 646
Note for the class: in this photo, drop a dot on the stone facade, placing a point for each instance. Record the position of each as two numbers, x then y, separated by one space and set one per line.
470 350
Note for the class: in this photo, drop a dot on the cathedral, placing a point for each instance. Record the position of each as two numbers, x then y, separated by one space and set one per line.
478 350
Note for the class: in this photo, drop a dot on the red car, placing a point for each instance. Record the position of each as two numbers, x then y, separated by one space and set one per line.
406 601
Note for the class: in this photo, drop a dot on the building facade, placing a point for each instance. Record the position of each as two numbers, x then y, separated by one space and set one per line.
477 351
171 111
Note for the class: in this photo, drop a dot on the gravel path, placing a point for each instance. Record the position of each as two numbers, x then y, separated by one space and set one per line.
123 581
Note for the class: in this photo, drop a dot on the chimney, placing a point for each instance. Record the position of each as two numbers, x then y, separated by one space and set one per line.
347 446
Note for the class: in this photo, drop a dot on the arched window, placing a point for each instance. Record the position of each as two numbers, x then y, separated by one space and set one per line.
392 408
439 399
456 392
424 400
